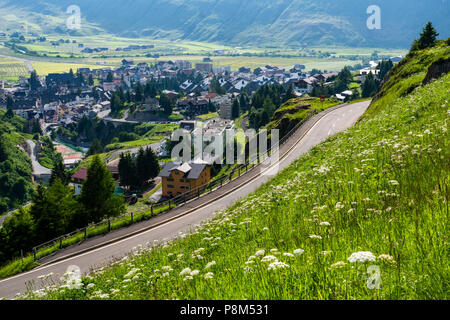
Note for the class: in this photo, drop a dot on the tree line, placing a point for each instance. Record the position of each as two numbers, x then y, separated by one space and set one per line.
56 210
136 170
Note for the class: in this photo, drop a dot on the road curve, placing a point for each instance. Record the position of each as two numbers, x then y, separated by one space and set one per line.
38 169
312 133
27 62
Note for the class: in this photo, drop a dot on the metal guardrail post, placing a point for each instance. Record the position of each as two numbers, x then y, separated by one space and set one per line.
34 253
152 209
132 218
109 225
170 204
85 234
60 243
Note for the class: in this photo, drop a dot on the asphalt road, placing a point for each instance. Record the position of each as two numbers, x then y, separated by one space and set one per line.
101 250
38 169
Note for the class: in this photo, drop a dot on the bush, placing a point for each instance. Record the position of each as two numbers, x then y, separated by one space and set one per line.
127 136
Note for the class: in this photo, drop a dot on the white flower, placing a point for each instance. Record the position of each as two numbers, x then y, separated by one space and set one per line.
313 236
339 206
195 273
131 273
248 270
361 256
339 264
385 258
287 254
393 182
166 274
185 271
325 223
277 265
298 252
90 286
260 253
188 278
251 258
210 264
209 275
167 269
269 259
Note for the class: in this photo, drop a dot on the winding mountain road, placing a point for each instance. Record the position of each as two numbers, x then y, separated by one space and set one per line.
101 250
38 169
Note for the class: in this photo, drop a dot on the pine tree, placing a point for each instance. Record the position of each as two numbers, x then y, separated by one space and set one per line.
97 195
59 171
139 93
127 171
243 102
9 113
96 147
9 102
269 106
428 37
235 109
290 94
34 80
90 80
369 87
53 209
110 77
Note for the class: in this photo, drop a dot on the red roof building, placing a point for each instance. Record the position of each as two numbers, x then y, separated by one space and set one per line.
80 176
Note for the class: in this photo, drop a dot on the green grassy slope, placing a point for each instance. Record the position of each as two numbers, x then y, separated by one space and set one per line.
16 185
379 187
408 75
297 110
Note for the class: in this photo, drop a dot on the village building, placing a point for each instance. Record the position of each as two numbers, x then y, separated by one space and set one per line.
78 180
179 179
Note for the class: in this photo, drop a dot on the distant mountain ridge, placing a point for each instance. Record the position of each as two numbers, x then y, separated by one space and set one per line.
237 22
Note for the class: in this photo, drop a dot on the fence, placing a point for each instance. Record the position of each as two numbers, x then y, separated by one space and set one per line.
108 225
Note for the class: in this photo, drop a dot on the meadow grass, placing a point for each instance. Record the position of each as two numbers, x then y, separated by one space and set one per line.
378 191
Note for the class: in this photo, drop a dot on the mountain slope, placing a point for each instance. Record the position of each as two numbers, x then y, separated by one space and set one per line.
373 196
268 22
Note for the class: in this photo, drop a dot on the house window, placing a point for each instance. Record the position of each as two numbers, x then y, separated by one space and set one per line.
170 186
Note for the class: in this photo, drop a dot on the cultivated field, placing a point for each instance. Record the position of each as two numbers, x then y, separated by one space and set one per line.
12 69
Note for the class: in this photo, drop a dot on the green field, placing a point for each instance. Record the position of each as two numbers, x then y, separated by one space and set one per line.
44 68
69 54
11 69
